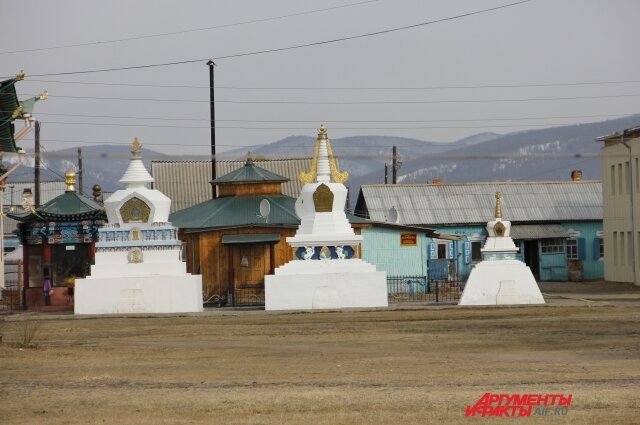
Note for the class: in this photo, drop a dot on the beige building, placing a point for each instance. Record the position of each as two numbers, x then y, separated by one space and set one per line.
621 205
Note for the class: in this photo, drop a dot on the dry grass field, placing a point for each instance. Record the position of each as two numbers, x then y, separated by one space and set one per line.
400 366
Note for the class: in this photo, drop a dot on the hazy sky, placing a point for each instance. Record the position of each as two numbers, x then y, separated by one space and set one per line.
409 77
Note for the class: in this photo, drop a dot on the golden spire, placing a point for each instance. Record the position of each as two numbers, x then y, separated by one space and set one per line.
70 180
20 75
136 147
498 206
44 95
337 175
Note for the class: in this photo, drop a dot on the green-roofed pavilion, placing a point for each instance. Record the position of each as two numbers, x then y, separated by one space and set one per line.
59 244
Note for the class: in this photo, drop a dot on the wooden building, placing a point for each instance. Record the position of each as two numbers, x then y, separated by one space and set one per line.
240 236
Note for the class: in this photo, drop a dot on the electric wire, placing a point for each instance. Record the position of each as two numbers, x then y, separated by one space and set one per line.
363 102
281 49
230 127
141 37
481 86
208 119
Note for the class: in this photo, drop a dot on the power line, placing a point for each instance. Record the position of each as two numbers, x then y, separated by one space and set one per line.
482 86
141 37
308 127
363 102
129 117
281 49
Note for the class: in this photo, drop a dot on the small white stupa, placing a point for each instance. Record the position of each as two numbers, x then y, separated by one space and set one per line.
325 274
500 279
138 268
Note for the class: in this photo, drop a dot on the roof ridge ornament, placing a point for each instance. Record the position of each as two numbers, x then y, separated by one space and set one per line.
249 160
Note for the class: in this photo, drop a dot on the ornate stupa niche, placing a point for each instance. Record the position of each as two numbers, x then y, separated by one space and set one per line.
325 273
324 232
500 278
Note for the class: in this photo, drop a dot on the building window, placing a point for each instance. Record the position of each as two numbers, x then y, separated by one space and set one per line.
627 177
620 179
630 248
550 246
615 248
622 247
572 249
442 251
476 254
613 180
637 176
601 243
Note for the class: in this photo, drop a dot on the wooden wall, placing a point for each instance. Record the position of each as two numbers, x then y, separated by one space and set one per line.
206 255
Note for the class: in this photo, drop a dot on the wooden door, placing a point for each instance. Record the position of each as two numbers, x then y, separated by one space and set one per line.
250 263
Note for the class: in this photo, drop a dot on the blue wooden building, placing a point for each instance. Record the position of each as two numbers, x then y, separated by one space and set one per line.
556 224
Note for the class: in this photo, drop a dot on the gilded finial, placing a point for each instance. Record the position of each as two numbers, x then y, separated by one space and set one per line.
322 134
336 175
44 95
70 180
498 206
136 147
20 75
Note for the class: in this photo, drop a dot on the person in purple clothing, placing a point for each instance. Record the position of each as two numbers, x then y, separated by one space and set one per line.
46 290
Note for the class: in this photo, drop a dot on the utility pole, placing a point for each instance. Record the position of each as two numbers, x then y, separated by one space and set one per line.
36 170
212 107
394 165
386 173
80 172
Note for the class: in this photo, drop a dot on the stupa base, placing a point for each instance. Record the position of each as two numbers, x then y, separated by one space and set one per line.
141 294
326 284
502 282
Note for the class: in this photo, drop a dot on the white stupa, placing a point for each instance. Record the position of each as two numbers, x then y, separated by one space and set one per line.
138 268
325 274
500 279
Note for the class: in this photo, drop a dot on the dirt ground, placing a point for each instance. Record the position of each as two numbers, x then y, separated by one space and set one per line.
411 364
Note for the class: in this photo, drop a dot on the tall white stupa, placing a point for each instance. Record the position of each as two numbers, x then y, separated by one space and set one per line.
500 278
138 268
325 273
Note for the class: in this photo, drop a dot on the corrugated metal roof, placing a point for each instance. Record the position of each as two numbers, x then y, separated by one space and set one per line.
467 203
12 195
187 183
12 198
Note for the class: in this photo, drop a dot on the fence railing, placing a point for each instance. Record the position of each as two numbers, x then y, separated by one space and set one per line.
11 298
422 289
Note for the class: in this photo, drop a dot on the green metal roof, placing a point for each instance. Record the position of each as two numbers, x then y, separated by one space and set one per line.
8 103
67 207
250 173
250 238
8 98
7 141
237 211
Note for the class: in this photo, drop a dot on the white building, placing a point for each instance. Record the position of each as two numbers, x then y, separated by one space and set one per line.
621 205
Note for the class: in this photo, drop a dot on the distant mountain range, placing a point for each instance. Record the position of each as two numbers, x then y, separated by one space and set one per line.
543 154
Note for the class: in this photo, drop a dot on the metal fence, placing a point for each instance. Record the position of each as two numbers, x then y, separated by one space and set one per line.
10 297
423 289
